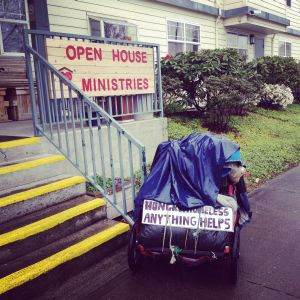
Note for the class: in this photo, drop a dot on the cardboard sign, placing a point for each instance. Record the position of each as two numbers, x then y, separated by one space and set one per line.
102 69
207 217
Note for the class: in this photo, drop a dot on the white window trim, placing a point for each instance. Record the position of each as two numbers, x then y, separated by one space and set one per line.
25 22
184 42
102 19
285 41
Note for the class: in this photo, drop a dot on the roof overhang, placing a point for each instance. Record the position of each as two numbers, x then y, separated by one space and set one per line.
194 6
244 18
252 23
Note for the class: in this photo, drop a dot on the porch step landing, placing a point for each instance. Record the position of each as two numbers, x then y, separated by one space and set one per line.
50 229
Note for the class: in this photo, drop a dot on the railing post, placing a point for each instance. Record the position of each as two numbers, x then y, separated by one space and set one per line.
159 84
30 83
143 164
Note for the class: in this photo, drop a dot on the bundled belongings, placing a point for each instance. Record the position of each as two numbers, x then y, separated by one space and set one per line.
193 203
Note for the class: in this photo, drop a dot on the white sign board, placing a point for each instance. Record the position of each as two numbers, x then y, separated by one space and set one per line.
209 218
103 69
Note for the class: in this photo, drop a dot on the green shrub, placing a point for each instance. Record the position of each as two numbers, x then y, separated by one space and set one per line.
280 70
185 73
227 96
171 90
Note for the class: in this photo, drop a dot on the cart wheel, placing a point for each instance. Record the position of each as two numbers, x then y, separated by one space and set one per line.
135 258
233 268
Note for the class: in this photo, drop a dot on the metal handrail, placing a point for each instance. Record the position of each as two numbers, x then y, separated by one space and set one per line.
61 129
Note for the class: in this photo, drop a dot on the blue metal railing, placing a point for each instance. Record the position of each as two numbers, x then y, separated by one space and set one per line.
109 157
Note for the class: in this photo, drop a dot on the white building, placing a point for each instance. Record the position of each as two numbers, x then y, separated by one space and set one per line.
269 27
177 25
254 27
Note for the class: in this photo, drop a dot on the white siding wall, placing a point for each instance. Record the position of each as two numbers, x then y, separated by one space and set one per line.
276 7
272 44
207 2
231 4
71 16
279 8
268 45
293 14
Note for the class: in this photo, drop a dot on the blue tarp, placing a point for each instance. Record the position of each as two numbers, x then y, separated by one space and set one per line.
187 172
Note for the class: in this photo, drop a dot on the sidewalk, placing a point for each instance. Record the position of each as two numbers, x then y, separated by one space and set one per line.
269 263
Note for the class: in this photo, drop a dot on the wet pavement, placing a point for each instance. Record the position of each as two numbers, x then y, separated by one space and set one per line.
269 266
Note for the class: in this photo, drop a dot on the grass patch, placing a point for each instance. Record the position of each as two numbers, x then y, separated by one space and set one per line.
269 140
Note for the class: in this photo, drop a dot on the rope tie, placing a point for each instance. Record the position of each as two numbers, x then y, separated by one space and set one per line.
165 229
172 248
186 236
197 232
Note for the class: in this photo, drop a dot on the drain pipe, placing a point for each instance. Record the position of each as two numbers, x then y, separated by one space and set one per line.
217 4
272 44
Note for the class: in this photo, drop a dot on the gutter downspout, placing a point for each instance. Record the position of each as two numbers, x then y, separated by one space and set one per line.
272 44
217 4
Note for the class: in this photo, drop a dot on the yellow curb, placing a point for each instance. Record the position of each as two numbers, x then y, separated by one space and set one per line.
49 222
20 142
45 189
31 164
33 271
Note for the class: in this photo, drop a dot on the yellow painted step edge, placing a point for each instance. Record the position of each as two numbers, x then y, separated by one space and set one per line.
33 271
31 164
20 142
45 189
49 222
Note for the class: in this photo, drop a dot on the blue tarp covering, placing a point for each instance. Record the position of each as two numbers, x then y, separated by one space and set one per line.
187 172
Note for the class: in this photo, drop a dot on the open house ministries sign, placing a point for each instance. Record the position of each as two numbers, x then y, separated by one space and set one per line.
101 69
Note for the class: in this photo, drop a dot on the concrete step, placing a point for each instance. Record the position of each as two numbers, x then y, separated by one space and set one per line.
20 148
32 169
99 276
25 199
27 233
29 275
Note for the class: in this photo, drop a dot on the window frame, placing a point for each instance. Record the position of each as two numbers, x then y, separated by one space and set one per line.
13 21
102 19
184 42
238 34
285 42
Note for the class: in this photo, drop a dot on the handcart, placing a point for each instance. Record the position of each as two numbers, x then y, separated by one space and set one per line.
196 212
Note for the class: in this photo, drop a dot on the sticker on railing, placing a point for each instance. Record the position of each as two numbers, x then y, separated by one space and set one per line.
207 217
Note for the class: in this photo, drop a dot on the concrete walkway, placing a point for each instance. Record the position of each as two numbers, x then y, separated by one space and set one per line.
17 128
269 263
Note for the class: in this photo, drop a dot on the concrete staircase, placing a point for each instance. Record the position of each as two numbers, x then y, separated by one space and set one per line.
49 228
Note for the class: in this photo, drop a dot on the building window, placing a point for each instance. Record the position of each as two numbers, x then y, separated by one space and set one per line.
239 42
285 49
183 37
113 29
289 3
13 20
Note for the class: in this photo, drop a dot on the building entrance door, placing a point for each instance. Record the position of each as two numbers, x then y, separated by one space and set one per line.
259 47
